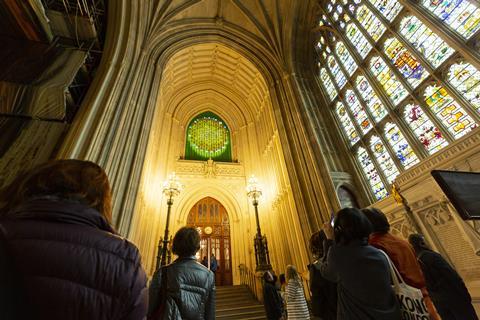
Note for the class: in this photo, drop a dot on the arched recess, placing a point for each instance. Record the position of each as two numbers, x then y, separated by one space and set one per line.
120 117
235 209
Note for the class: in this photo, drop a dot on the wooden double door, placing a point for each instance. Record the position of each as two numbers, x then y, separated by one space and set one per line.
211 220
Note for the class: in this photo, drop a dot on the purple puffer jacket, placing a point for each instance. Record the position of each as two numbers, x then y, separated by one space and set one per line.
71 264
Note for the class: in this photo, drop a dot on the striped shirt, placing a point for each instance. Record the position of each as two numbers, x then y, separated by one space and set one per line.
295 298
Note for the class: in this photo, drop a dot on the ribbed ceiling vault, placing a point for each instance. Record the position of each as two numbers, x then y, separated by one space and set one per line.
208 70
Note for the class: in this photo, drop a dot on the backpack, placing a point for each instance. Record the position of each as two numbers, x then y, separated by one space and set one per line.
168 309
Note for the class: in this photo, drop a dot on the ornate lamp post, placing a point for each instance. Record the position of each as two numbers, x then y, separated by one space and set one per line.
171 188
260 242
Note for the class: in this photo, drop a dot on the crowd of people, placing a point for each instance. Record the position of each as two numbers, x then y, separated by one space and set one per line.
60 258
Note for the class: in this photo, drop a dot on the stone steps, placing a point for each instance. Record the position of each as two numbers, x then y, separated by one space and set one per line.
236 303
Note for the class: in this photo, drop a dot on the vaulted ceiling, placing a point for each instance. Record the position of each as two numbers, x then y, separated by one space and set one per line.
213 71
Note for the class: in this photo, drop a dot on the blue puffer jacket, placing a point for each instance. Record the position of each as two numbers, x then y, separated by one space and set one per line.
190 286
71 265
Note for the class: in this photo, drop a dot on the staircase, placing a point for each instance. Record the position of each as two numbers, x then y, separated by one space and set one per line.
236 303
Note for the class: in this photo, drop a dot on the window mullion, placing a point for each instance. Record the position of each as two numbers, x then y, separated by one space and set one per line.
413 93
434 73
372 156
449 36
341 97
375 127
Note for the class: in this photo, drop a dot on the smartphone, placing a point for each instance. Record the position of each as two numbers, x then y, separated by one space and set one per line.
332 218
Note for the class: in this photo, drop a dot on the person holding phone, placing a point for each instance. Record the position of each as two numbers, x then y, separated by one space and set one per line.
364 291
323 292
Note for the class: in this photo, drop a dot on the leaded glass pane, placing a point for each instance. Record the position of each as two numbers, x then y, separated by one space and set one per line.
347 124
466 79
374 105
346 58
400 146
407 64
383 158
358 40
337 73
358 112
460 15
395 90
388 8
370 22
428 43
424 129
452 115
371 173
327 83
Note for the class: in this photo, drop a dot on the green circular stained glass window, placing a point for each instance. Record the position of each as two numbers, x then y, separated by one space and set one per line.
208 137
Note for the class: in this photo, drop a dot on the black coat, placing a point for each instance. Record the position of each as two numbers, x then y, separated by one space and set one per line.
362 274
71 265
446 287
272 301
324 294
190 285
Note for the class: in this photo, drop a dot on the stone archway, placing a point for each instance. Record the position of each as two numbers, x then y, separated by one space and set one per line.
210 218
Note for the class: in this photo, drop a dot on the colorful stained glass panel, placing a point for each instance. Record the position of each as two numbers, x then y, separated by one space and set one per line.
374 105
346 58
358 112
370 22
388 8
395 90
424 129
347 124
337 72
405 62
327 83
466 79
428 43
358 40
208 137
383 158
460 15
452 115
371 173
400 146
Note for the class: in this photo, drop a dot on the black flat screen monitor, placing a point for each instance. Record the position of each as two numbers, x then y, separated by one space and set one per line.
463 191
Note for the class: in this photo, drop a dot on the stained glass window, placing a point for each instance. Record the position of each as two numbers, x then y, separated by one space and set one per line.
400 146
371 173
460 15
383 158
452 115
370 22
388 8
376 108
337 73
424 129
327 83
358 40
388 54
208 137
395 90
346 58
347 123
358 112
428 43
466 79
407 64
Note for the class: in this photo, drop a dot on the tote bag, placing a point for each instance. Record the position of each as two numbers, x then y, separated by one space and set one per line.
411 301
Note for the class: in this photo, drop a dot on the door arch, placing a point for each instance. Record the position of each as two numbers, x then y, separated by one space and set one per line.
210 218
